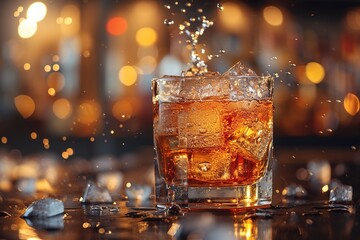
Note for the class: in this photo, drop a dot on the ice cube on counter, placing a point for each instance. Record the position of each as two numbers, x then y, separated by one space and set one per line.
94 193
43 208
341 193
52 223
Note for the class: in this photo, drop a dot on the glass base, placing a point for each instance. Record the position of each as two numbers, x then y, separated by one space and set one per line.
256 195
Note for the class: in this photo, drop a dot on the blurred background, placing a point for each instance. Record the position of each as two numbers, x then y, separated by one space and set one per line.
75 76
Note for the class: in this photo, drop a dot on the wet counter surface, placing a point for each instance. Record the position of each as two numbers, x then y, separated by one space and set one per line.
309 217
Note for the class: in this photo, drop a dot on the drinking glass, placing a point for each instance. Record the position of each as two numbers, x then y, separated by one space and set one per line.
213 141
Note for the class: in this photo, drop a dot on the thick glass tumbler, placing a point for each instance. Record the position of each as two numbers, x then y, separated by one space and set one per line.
213 140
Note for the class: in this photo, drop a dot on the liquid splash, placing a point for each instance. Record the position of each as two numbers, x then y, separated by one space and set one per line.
193 27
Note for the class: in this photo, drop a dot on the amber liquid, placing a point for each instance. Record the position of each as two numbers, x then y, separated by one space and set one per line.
213 143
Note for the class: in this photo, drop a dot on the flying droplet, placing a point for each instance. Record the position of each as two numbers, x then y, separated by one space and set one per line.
168 22
221 51
219 6
167 6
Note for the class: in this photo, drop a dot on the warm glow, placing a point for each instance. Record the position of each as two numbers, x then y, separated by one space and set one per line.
116 26
27 28
273 16
25 105
146 36
325 188
56 67
315 72
4 140
69 20
36 12
47 68
70 151
128 75
232 17
88 112
353 19
62 108
351 104
33 135
27 66
148 64
122 110
56 81
51 92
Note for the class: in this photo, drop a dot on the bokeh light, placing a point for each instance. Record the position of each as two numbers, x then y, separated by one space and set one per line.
25 105
122 110
146 36
315 72
27 28
88 112
148 64
36 11
27 66
62 108
128 75
353 19
232 17
351 104
273 15
116 26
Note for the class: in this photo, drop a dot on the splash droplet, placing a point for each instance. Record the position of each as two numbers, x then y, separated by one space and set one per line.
168 22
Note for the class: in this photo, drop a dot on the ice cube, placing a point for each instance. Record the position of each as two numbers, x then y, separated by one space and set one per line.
94 193
43 208
138 192
240 69
52 223
320 172
341 193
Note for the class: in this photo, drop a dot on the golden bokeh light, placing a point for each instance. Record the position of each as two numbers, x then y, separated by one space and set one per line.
232 17
27 66
27 28
273 15
70 151
146 36
4 140
62 108
122 110
56 67
351 104
25 105
47 68
51 92
36 11
128 75
315 72
88 112
33 135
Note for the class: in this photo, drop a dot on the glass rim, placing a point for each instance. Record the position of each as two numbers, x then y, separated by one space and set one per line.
197 77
